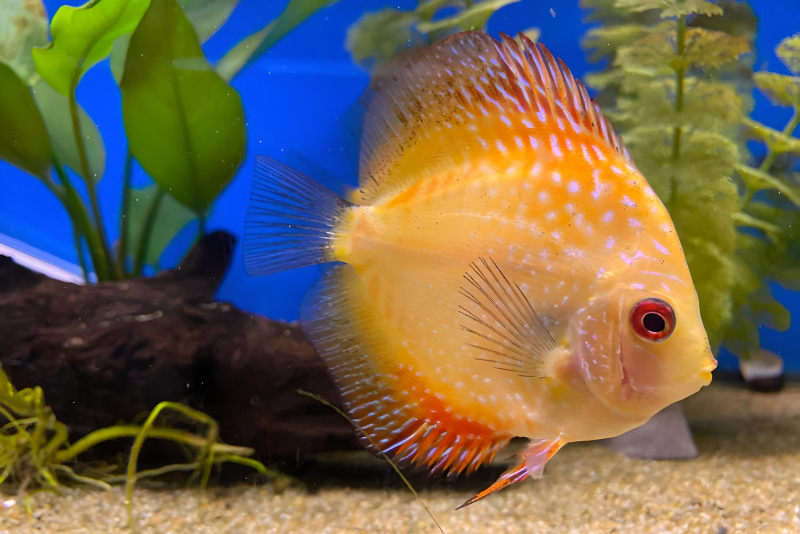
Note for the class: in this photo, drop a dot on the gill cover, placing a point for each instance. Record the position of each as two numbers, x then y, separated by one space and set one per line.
597 336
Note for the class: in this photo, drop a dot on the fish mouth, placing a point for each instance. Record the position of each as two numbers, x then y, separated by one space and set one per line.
705 371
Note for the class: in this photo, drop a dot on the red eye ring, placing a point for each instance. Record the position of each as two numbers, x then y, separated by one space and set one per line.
653 319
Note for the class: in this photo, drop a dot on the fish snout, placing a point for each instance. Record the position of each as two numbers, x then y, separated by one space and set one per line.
709 365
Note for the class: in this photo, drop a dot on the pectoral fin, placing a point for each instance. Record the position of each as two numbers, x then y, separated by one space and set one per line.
501 322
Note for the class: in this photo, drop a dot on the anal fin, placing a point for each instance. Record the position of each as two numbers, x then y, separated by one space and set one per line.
397 411
531 464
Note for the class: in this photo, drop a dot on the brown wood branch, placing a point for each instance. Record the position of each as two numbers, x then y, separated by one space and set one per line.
107 353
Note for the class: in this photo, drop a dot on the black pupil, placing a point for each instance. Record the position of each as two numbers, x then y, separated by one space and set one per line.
654 323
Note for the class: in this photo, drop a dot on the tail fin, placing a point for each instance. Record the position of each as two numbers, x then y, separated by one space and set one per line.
291 220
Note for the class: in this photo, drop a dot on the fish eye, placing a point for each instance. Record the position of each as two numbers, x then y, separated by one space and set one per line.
653 319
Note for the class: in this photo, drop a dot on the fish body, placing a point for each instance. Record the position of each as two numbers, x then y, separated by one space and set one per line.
503 269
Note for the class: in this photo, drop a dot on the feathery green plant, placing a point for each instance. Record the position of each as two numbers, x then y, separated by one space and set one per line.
771 206
679 89
377 37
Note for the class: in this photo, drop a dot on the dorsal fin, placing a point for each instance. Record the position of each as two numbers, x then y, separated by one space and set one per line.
467 92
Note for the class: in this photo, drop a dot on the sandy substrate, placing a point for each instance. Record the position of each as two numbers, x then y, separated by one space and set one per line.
746 480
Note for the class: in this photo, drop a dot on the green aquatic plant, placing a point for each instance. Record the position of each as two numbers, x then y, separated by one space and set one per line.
184 122
377 37
771 206
36 455
678 78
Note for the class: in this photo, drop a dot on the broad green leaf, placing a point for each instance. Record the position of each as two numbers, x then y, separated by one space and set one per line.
119 52
82 36
777 141
789 52
23 136
757 180
207 16
379 36
254 46
467 17
170 218
185 125
55 111
23 25
781 90
709 48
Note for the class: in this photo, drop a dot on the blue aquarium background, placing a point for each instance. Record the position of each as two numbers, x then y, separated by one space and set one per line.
296 99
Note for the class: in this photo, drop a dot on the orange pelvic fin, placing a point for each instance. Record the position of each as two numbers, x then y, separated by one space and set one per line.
531 464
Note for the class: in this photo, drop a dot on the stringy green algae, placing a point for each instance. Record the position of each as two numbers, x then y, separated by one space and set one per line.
676 88
35 453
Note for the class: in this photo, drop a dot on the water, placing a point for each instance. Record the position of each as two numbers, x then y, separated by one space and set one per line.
203 339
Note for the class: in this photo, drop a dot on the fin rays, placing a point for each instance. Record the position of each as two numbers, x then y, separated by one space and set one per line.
531 462
518 336
564 98
290 220
467 92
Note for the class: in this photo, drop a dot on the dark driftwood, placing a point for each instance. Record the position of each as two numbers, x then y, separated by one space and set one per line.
106 353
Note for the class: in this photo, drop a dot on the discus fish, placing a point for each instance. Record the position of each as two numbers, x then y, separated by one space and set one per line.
502 270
